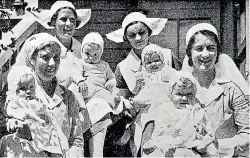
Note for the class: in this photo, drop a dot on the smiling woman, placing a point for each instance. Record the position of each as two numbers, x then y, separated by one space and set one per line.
44 56
221 88
41 53
65 19
65 23
203 50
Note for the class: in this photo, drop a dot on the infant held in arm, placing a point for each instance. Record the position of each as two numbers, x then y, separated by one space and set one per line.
181 124
22 104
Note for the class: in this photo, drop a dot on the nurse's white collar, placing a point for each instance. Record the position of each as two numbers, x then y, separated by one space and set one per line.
134 61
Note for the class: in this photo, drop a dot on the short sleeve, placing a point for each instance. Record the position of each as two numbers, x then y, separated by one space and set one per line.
240 105
120 82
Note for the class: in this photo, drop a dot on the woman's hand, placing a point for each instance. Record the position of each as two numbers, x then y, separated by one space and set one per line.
82 88
14 124
109 86
140 81
206 141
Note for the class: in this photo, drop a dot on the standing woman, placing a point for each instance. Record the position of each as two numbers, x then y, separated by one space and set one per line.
136 29
41 53
221 88
64 19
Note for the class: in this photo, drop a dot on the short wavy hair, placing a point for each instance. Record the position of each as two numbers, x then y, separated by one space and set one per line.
192 41
55 15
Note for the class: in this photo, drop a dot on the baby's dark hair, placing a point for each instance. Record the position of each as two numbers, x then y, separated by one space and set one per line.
184 83
150 54
54 17
192 41
132 23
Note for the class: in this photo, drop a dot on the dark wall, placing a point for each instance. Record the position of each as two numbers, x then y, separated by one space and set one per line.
107 16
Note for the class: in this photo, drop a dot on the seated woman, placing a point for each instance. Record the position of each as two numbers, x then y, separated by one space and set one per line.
41 53
221 88
23 104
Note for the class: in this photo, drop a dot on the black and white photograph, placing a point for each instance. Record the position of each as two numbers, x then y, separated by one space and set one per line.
124 78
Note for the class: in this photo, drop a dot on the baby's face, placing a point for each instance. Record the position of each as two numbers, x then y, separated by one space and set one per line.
26 87
92 53
182 96
153 63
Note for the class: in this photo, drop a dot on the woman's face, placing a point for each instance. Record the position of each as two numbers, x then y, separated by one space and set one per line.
204 52
47 62
137 35
65 23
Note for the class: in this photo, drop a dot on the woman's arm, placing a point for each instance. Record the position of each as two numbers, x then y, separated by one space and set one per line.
121 84
77 70
111 82
76 136
240 106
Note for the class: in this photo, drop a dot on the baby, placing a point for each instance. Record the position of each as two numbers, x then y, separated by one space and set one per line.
100 79
154 63
156 74
22 104
181 126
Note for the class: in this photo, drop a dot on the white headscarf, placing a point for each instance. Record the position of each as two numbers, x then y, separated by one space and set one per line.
225 67
155 24
32 44
199 27
83 15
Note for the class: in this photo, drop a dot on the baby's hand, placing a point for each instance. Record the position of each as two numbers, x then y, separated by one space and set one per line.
82 88
212 150
207 140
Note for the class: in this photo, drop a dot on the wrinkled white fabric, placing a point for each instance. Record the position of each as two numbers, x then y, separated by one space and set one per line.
33 43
